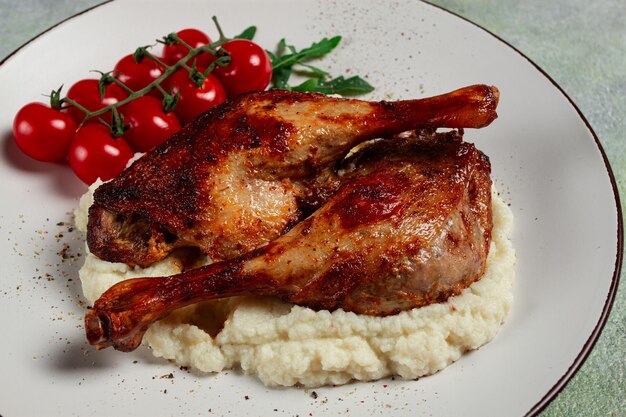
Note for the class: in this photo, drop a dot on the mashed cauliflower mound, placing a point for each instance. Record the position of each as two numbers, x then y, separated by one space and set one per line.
286 344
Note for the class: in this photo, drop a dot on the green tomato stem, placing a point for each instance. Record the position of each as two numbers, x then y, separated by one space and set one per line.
219 29
80 107
162 90
122 85
156 59
211 48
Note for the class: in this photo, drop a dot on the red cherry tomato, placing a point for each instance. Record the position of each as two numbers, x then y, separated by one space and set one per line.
95 154
43 133
149 125
194 100
250 68
193 38
137 75
87 94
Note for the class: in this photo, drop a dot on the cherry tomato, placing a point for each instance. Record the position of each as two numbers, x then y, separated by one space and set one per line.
149 125
87 94
250 68
194 100
137 75
43 133
95 154
193 38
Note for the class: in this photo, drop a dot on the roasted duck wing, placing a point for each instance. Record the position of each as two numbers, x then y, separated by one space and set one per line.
245 172
409 225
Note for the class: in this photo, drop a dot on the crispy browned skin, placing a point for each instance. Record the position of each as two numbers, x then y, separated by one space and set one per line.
409 225
245 172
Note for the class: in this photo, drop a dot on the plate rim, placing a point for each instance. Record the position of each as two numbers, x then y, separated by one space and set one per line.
591 341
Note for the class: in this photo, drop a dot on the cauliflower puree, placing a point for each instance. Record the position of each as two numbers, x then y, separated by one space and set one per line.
285 344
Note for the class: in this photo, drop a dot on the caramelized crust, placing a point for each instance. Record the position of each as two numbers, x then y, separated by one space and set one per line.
409 225
247 171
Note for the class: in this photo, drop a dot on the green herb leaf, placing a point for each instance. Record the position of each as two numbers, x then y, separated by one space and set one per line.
316 50
321 48
288 60
309 86
345 86
280 78
312 71
247 34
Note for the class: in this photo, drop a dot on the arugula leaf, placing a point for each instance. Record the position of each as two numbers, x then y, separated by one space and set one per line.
280 78
313 71
288 60
339 85
316 50
247 34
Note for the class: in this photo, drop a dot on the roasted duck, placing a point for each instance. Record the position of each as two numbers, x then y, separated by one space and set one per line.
408 225
246 172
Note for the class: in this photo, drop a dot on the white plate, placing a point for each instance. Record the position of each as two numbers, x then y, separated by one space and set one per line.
546 161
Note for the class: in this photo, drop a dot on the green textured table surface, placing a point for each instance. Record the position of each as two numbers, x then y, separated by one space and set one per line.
581 44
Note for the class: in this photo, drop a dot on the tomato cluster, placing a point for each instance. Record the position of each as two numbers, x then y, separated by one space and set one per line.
64 134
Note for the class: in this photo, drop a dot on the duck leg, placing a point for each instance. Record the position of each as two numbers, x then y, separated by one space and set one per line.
409 225
243 173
